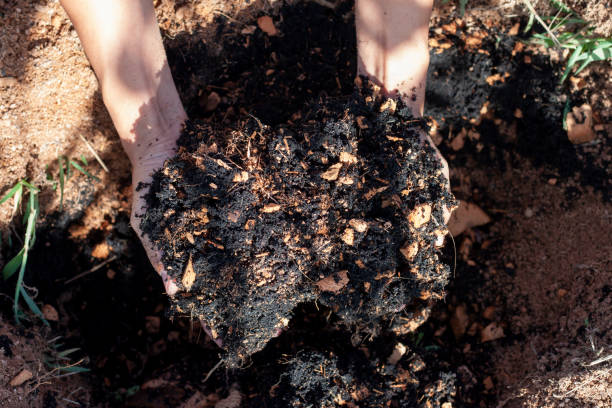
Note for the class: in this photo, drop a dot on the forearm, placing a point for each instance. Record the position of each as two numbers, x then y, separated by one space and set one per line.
124 46
392 46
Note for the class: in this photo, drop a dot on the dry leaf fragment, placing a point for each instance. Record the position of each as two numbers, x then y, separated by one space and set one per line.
459 321
409 250
420 215
270 208
240 177
491 332
266 24
466 215
334 283
346 157
20 378
389 104
50 313
348 236
332 173
189 275
514 29
358 225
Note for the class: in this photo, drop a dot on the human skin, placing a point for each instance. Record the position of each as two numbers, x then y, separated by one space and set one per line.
123 43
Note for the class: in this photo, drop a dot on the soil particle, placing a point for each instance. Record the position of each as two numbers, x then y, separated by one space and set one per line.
268 218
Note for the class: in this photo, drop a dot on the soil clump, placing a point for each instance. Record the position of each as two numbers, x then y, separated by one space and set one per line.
341 206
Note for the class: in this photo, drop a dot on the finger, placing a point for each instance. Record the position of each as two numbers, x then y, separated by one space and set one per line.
208 331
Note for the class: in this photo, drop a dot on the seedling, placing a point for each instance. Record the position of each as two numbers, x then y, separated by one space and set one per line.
18 263
567 30
66 169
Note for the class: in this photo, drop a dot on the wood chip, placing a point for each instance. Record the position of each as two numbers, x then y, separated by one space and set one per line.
20 378
334 283
332 173
50 313
389 104
398 352
420 215
466 215
270 208
266 24
491 332
409 250
189 275
240 177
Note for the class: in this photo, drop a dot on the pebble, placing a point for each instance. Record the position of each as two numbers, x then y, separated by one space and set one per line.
528 212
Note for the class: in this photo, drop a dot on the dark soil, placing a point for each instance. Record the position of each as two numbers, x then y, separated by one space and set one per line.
341 207
140 358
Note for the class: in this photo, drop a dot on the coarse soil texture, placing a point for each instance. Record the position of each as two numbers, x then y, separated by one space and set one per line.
342 206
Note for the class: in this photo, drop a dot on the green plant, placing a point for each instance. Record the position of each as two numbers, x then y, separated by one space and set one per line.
65 170
19 261
567 30
60 361
18 193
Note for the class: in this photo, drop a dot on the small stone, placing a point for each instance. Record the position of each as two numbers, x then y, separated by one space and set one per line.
528 212
212 101
270 208
347 158
552 181
561 292
580 124
358 225
466 215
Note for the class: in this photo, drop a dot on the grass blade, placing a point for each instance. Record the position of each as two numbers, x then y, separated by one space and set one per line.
11 192
11 267
82 170
63 354
32 305
61 181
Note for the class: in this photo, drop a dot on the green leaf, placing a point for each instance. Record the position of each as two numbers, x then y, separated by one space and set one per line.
33 306
572 61
11 267
17 198
65 353
11 192
74 369
529 23
561 6
82 170
462 4
84 160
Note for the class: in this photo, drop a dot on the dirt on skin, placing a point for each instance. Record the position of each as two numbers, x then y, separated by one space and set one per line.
342 207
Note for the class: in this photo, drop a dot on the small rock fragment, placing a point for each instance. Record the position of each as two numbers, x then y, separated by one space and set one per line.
334 283
266 24
347 158
466 215
20 378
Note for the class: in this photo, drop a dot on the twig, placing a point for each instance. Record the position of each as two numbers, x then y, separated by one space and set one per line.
92 270
599 361
91 149
212 370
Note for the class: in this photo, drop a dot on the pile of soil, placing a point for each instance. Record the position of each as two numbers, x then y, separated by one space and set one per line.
342 206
